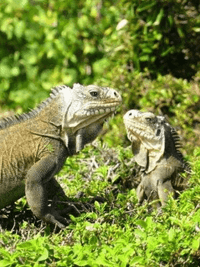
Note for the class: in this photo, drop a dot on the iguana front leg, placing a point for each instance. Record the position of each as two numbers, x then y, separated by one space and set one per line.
37 180
54 190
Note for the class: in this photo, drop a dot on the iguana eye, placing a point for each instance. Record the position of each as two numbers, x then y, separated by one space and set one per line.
149 119
158 132
94 93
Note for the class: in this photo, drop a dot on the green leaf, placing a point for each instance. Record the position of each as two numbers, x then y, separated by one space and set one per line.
142 223
180 32
159 17
196 29
97 205
44 256
145 6
81 262
27 245
185 251
144 58
196 152
5 71
4 263
15 71
136 259
102 261
171 234
196 244
19 28
94 12
170 19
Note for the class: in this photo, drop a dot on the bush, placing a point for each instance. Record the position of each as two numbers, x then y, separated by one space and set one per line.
46 43
162 36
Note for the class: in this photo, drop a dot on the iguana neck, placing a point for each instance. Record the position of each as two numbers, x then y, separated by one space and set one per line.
49 123
53 112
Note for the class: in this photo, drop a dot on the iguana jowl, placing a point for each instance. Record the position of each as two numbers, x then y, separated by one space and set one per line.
155 145
34 146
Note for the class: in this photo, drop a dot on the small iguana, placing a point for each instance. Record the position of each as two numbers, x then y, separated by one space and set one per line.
155 145
35 145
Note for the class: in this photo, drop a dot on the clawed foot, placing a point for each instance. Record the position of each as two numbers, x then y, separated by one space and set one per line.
56 219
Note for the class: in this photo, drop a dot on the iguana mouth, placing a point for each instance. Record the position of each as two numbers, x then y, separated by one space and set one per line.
95 110
137 130
95 115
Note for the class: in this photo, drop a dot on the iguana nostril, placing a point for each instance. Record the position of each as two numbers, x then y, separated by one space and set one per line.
158 132
116 94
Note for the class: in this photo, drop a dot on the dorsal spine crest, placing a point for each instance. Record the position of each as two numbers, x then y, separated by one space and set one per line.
15 119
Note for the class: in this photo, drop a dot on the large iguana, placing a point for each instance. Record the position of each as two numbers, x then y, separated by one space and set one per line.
34 146
155 145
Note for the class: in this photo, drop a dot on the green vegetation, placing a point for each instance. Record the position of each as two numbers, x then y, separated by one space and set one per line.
149 51
116 232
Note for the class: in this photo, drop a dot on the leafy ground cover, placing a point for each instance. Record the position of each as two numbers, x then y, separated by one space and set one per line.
108 228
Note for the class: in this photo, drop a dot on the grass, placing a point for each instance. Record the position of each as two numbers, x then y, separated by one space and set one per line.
112 232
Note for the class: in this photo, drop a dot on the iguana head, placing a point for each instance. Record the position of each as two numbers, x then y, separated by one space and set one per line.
147 134
85 110
89 104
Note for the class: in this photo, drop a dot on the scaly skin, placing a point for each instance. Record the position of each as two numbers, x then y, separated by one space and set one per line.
34 146
155 145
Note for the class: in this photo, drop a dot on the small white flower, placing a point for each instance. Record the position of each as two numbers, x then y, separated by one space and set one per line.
121 24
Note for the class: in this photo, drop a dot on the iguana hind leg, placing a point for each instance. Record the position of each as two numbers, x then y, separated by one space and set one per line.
164 189
145 190
38 181
163 175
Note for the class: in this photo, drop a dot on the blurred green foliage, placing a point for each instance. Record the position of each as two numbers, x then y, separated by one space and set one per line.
160 35
46 43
